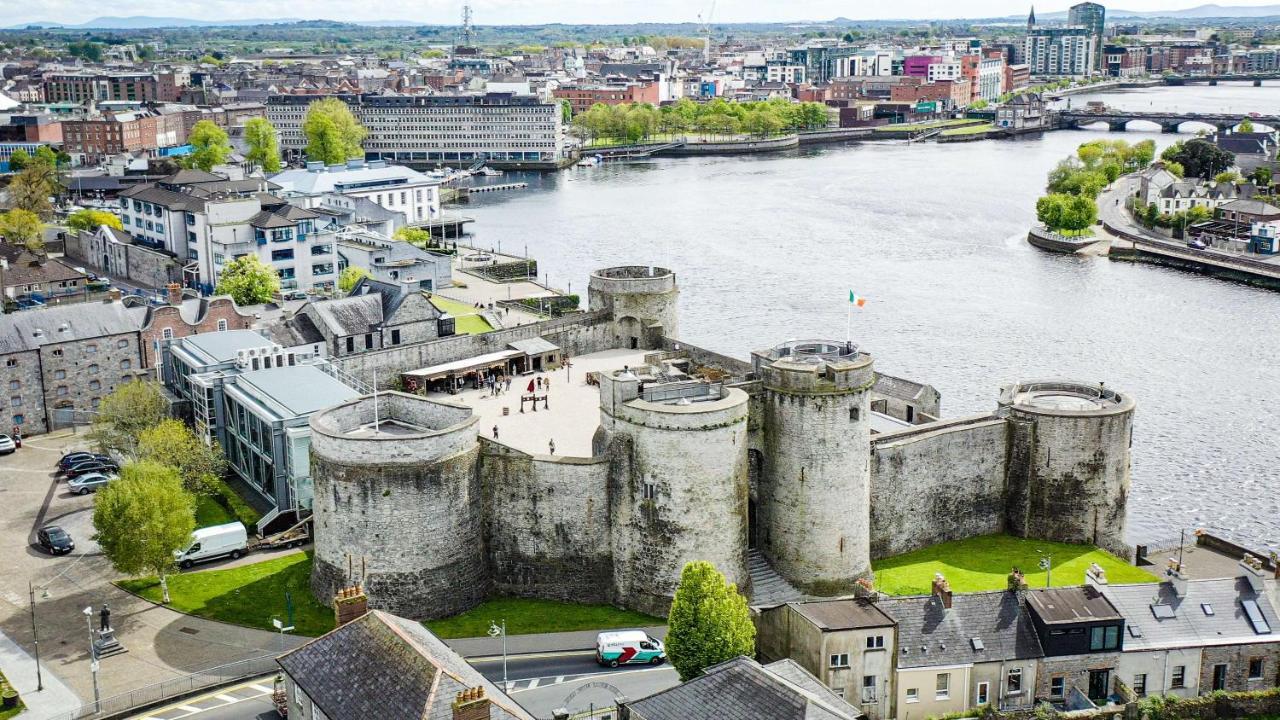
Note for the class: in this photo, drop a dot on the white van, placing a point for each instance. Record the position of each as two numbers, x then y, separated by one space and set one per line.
629 647
214 542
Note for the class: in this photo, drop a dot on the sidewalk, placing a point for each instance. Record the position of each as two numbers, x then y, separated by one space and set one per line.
537 643
20 668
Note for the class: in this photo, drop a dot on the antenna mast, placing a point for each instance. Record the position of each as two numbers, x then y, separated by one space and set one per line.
466 25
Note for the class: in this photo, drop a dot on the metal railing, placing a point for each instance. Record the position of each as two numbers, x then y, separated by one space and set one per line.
177 687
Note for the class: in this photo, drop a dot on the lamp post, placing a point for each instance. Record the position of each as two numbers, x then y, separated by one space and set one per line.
276 622
35 635
494 631
1046 564
93 655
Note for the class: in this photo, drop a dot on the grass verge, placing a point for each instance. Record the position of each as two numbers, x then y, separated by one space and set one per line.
929 125
233 506
249 595
969 130
983 563
6 713
211 512
525 616
466 320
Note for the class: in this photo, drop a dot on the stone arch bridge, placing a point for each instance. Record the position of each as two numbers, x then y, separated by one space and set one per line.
1118 120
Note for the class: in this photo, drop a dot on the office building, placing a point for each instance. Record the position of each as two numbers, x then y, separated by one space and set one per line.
1092 17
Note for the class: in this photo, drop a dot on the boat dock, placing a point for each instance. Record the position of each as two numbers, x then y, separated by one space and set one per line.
469 190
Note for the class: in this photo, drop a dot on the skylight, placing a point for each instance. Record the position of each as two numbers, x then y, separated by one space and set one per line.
1163 612
1207 608
1259 623
977 644
1134 630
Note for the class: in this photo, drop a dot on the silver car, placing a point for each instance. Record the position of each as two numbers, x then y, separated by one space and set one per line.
7 445
89 482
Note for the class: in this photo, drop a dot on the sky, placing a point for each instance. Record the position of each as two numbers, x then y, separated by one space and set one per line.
510 12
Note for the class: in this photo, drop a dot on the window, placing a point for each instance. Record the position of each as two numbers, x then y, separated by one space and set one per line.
368 341
277 255
875 642
95 385
944 686
93 369
1057 685
351 344
11 362
122 343
57 353
17 419
1104 638
983 695
1140 685
1013 681
167 333
1255 668
1179 678
222 324
395 337
125 364
62 391
59 374
838 660
15 401
913 695
14 384
868 688
90 348
650 492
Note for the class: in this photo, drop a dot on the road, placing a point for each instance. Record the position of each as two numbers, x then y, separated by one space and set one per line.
247 701
544 682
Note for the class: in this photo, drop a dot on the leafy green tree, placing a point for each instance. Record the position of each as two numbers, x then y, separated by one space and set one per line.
211 147
248 281
1262 176
32 188
1203 159
124 414
1111 169
1246 126
18 160
89 220
1080 213
1089 154
264 147
90 51
210 60
1170 154
171 443
1051 209
333 134
142 518
23 227
709 622
1175 168
1227 176
350 276
1151 214
1143 153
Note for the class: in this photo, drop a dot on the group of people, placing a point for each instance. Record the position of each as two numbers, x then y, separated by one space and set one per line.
497 384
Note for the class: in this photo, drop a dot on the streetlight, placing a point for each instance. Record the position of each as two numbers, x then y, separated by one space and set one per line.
35 635
93 655
277 623
495 631
1046 564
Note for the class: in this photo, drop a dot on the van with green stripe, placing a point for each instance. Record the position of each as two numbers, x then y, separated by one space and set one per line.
629 647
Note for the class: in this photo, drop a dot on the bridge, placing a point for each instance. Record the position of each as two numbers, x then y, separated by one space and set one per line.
1255 78
1118 120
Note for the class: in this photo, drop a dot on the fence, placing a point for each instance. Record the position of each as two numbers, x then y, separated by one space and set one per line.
117 705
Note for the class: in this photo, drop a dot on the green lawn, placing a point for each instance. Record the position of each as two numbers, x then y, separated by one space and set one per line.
247 595
210 512
466 321
16 709
970 130
983 563
929 125
526 616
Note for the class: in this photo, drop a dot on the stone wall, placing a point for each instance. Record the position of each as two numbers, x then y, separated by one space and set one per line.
1075 669
577 335
642 300
939 482
547 524
1236 658
21 378
138 265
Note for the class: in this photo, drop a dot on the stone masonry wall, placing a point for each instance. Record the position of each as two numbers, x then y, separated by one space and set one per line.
931 486
1236 658
547 525
21 380
1075 668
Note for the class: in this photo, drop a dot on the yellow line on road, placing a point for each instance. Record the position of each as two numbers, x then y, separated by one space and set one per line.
185 705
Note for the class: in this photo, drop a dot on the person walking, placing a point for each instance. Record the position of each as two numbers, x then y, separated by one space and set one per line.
552 445
495 432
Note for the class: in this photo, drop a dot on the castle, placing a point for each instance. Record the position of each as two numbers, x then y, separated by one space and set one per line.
806 456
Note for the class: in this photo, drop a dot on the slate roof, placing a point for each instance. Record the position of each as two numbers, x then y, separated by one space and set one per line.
27 269
844 614
268 219
742 689
929 634
354 315
299 329
1190 626
168 198
1071 605
388 668
84 321
190 176
1252 207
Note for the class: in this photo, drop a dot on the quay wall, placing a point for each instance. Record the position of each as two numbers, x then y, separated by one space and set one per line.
936 483
690 149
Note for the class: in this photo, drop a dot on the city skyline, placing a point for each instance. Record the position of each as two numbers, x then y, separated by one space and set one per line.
515 12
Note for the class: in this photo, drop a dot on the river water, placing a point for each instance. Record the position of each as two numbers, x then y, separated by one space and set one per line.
768 248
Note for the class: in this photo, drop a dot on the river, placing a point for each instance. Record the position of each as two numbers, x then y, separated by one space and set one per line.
768 248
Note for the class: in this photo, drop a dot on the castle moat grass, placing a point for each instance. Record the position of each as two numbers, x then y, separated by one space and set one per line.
983 563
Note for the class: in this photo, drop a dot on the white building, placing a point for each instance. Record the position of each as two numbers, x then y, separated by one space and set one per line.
990 79
393 187
1060 51
946 70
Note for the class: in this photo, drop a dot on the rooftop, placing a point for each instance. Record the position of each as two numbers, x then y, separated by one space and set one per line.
220 347
338 178
294 391
1058 396
1211 612
843 614
1072 605
978 627
31 329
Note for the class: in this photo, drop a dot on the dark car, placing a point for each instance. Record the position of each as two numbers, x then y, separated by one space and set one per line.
79 456
92 466
55 540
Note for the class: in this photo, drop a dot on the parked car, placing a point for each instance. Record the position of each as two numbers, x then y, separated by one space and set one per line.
7 445
78 456
92 466
629 647
88 482
55 540
1198 244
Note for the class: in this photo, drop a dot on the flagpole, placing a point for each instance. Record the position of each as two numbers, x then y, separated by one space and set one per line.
848 322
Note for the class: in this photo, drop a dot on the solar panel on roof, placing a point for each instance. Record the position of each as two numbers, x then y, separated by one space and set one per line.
1163 612
1259 623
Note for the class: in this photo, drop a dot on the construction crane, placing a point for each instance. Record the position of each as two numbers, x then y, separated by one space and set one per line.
466 25
704 29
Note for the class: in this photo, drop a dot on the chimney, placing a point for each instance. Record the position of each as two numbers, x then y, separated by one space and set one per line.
1173 575
942 590
471 704
175 293
114 295
350 603
1095 575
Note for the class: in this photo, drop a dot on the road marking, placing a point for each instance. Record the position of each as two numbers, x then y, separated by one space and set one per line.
529 656
227 699
189 709
586 676
533 683
559 679
261 689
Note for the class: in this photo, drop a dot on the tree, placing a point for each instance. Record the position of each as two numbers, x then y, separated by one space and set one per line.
124 414
89 220
1203 159
708 623
248 281
210 146
23 227
1051 209
1175 168
350 276
142 518
19 160
1143 153
264 148
332 132
1246 126
1080 213
171 443
32 188
1262 176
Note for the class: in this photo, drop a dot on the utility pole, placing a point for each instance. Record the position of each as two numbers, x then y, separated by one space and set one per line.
1046 564
93 661
35 635
494 631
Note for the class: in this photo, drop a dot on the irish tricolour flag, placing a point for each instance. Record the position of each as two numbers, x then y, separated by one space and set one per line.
856 299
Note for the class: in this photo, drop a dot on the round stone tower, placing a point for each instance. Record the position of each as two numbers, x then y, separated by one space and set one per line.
1068 477
642 299
397 505
813 497
678 486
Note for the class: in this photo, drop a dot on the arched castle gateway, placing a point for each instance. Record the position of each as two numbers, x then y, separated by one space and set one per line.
667 453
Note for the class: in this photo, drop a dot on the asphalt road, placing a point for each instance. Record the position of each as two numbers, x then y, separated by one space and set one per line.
247 701
545 682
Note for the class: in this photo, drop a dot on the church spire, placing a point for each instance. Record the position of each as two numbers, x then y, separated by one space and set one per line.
1031 19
